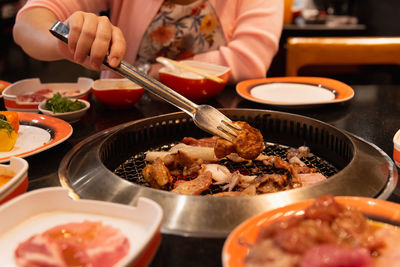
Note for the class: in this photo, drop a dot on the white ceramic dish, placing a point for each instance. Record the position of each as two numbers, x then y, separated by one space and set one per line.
39 210
18 184
295 91
292 93
70 117
13 92
37 133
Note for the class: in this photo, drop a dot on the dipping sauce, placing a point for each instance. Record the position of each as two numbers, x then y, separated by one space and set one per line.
4 179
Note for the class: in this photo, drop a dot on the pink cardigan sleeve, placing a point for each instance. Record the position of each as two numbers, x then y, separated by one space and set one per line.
252 29
64 8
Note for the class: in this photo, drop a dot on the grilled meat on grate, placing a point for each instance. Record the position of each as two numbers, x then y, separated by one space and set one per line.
131 169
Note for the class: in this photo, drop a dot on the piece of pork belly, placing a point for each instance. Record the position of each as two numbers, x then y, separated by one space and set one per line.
248 143
195 186
311 178
204 142
157 175
204 153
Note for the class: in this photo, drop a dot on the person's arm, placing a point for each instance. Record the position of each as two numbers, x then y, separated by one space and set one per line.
31 32
89 34
253 28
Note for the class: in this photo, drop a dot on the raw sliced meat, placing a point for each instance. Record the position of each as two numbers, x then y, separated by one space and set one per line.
74 244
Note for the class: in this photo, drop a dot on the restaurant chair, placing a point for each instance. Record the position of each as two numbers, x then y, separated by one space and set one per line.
340 51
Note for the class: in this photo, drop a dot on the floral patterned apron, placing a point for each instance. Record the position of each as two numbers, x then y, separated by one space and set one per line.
181 31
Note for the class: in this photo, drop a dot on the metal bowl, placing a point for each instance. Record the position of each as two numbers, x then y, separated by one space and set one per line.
88 170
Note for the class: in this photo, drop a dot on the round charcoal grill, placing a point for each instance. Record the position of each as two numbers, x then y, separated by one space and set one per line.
107 166
131 170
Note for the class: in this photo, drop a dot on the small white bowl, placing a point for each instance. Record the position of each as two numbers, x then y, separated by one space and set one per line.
71 117
18 184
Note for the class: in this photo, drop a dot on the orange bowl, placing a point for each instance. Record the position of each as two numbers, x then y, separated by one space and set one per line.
193 86
117 93
237 245
18 184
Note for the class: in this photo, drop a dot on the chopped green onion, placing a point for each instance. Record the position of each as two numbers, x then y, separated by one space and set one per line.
59 104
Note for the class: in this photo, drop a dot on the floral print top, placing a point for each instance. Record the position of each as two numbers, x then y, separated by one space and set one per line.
181 31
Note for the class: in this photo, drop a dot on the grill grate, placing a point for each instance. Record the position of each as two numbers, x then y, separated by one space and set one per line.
131 169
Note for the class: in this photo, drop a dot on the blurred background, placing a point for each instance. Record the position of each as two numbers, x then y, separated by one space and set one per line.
303 18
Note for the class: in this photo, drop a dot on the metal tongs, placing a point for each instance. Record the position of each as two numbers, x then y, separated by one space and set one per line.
205 117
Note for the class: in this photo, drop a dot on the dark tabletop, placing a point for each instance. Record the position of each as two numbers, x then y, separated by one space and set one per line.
373 114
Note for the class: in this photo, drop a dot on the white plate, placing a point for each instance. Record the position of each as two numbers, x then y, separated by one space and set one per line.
29 138
292 93
295 91
37 133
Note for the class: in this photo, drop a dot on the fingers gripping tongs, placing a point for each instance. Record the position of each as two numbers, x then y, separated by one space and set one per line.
205 117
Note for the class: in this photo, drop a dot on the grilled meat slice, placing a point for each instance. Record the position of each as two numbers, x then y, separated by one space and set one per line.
189 164
248 143
195 186
157 175
223 148
204 142
198 152
274 183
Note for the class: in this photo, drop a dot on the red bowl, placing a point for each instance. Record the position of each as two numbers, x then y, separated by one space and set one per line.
194 86
117 93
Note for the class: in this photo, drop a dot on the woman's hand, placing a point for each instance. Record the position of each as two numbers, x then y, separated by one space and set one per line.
89 34
94 36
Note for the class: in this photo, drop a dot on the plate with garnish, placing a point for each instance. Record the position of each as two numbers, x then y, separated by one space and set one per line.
36 133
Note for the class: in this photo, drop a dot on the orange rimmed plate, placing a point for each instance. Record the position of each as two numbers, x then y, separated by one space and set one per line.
37 133
235 249
295 91
5 84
